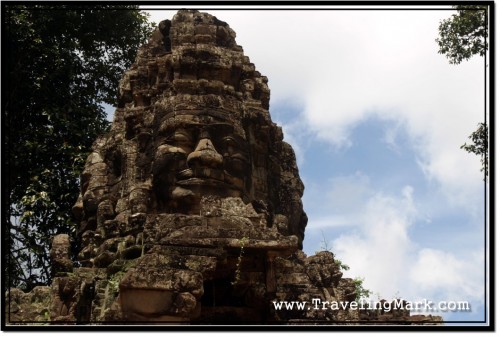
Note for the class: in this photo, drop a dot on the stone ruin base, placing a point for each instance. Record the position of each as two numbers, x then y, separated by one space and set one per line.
189 285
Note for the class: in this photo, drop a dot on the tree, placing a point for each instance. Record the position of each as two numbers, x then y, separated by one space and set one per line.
62 63
465 34
361 291
479 145
462 36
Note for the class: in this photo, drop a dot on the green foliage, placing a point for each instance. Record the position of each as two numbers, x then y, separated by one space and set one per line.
62 63
243 241
465 34
479 145
342 265
114 282
462 36
361 291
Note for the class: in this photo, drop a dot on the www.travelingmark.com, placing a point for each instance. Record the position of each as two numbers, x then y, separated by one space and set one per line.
386 306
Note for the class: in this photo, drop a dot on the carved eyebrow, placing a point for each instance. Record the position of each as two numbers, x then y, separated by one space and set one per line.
180 135
219 129
241 151
232 139
216 130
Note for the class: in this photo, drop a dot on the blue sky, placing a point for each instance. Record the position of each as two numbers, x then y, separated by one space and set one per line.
376 117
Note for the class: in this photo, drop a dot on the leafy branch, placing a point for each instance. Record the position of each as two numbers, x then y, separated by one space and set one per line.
237 276
479 145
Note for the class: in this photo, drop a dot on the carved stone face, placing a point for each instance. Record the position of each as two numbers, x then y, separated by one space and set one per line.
199 154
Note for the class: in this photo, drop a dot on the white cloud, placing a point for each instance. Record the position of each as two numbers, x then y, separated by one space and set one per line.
375 234
381 250
391 136
346 193
331 221
445 275
337 201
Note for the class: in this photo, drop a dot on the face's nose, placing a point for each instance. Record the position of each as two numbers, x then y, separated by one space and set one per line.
205 154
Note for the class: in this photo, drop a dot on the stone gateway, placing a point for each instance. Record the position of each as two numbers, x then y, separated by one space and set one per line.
190 208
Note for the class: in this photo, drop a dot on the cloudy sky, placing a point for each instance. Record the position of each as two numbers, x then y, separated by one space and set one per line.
376 117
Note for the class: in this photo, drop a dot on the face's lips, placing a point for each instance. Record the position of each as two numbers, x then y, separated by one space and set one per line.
185 174
212 178
194 188
201 173
201 182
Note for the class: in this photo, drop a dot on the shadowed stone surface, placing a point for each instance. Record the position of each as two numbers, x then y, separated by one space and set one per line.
190 208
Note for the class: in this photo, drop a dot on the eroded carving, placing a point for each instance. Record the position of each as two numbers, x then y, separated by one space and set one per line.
190 207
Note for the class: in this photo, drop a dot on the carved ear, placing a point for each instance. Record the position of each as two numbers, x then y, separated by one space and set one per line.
164 29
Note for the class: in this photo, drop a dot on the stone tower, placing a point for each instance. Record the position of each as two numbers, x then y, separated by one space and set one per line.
190 208
193 194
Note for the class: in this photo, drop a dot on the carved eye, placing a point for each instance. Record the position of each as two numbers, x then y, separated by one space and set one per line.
169 158
179 137
230 145
235 159
182 139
